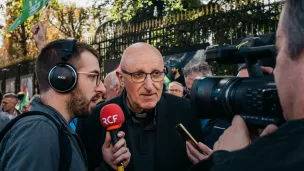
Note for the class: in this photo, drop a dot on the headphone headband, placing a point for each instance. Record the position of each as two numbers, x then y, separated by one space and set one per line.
66 48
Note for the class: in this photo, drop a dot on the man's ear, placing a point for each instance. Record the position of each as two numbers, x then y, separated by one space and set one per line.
120 78
116 89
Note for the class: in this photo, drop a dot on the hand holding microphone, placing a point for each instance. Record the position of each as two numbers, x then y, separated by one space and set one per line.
114 150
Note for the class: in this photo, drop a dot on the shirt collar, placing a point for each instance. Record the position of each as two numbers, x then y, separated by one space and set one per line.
129 115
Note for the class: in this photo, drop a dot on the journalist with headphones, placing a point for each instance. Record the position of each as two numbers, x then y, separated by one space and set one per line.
68 74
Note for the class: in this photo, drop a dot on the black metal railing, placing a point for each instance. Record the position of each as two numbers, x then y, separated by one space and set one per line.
183 32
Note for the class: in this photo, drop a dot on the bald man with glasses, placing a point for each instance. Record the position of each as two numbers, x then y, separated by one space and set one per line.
151 116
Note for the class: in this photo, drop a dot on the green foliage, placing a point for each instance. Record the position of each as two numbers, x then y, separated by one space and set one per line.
222 21
70 20
135 11
17 41
99 10
222 69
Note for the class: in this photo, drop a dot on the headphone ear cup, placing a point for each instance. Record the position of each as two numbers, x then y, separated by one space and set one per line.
63 77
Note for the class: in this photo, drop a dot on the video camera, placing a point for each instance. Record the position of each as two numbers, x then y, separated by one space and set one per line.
254 98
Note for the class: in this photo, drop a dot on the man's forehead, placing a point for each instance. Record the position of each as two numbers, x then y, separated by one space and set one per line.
175 85
143 56
5 99
9 99
143 64
193 75
89 61
141 53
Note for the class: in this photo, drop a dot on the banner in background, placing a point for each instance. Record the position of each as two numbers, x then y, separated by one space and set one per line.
30 7
26 84
10 85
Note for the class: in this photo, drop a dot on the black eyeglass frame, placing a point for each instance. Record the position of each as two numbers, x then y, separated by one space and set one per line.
132 75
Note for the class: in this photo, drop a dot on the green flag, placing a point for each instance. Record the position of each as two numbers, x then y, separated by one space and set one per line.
30 7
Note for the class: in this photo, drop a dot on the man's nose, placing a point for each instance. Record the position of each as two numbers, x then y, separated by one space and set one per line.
149 83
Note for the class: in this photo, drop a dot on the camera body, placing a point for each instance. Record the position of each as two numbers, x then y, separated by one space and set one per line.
254 98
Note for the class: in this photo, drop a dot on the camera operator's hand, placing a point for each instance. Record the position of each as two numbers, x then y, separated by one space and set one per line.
119 153
244 72
235 137
268 70
268 130
196 156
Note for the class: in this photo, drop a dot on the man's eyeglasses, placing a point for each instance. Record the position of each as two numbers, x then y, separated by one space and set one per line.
139 77
93 76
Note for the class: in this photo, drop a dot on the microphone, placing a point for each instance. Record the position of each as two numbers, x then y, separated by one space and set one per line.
112 118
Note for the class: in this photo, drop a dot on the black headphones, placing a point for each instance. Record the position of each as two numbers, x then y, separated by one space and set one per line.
63 76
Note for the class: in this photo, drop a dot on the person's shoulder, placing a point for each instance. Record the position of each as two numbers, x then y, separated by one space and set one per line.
4 119
179 109
35 137
30 128
34 122
169 98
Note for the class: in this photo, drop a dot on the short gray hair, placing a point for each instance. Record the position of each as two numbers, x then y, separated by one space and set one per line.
113 79
177 83
201 67
11 95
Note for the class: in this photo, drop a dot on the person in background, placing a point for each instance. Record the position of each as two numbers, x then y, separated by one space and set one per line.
195 70
167 81
191 72
4 119
177 74
112 85
9 103
176 88
39 35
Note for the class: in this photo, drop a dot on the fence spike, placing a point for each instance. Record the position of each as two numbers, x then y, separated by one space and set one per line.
231 4
203 11
160 22
211 9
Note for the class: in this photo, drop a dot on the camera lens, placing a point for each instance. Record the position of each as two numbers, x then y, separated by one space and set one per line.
224 97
